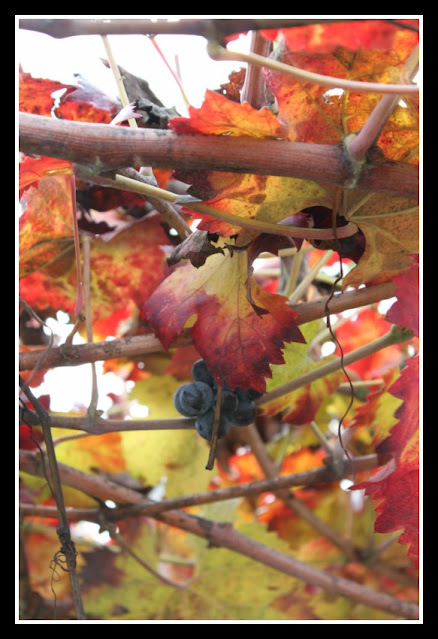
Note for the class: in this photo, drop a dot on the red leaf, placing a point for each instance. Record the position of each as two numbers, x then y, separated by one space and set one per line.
33 169
36 94
87 103
236 341
396 486
368 326
124 270
405 312
325 38
218 115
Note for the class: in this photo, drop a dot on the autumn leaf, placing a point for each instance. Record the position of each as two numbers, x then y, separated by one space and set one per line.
35 94
33 169
127 268
218 589
300 406
219 115
87 103
152 455
395 487
262 197
327 37
46 226
196 247
390 225
82 102
377 413
366 326
405 311
237 342
314 114
182 360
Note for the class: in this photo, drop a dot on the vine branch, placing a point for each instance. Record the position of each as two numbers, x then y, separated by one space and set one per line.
144 344
224 535
67 544
150 509
103 147
61 28
218 52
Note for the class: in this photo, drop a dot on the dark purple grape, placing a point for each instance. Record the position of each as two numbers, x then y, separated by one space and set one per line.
245 412
204 425
250 393
193 399
200 373
229 402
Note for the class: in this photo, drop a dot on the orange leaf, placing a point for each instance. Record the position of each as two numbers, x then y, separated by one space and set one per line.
263 197
126 269
238 338
367 326
313 113
46 227
390 225
361 34
405 311
218 115
396 486
33 169
35 94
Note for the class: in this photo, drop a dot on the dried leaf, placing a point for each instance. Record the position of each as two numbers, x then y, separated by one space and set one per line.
196 248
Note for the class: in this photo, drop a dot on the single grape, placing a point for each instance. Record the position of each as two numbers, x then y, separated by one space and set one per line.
250 393
204 425
245 413
200 373
193 399
229 402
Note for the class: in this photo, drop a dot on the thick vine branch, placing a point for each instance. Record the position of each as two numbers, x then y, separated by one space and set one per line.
219 28
224 535
104 147
67 545
274 484
144 344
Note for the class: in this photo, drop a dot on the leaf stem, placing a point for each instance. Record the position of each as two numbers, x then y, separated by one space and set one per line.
254 89
118 78
150 191
172 72
218 52
294 273
127 548
77 245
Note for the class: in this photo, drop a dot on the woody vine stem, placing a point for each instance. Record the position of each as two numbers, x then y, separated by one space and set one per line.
118 149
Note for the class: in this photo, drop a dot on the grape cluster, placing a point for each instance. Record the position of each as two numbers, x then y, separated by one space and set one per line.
198 399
